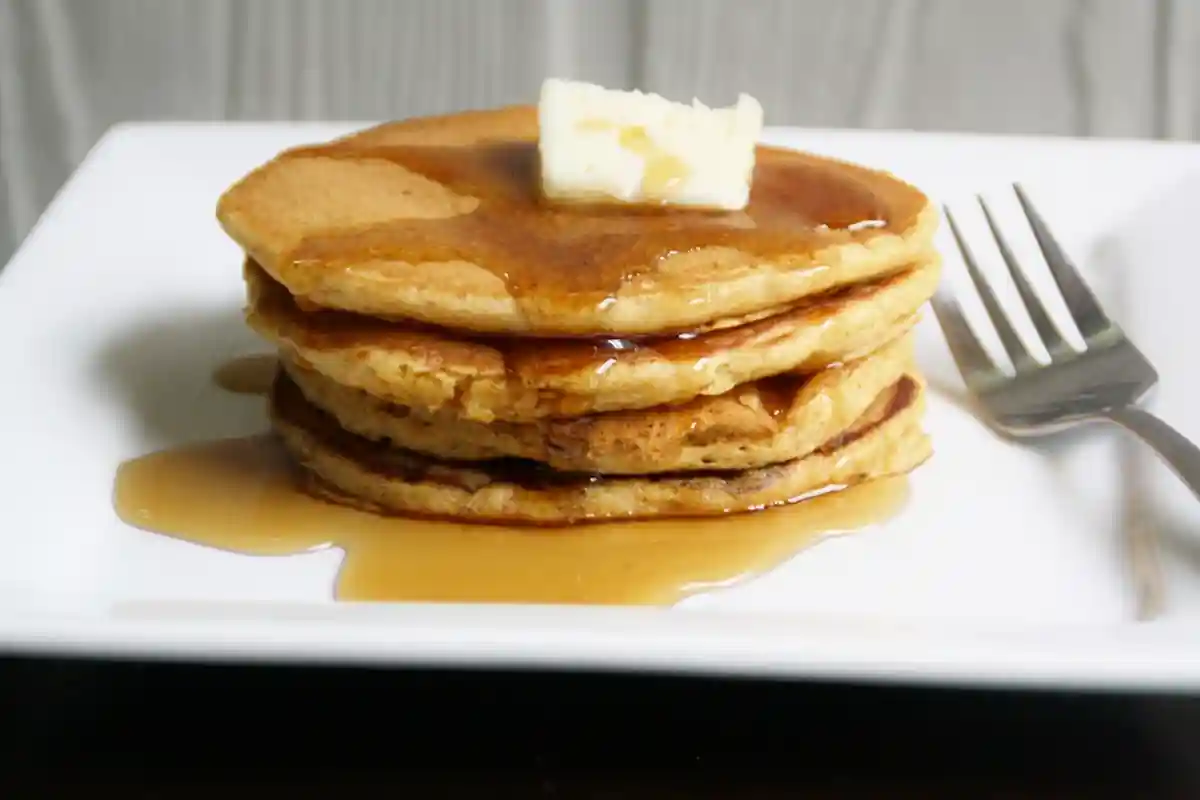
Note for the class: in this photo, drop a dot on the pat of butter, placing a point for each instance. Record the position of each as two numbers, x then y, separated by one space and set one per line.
607 145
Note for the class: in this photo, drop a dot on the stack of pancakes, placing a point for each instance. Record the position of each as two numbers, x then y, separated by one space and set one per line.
452 346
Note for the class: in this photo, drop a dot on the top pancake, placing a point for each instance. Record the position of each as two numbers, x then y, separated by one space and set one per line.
439 219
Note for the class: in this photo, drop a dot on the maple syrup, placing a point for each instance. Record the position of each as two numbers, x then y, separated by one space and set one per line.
243 495
580 255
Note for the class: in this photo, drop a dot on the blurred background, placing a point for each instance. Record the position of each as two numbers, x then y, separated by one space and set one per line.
71 68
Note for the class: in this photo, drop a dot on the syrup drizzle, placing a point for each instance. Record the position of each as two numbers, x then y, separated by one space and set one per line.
242 495
582 255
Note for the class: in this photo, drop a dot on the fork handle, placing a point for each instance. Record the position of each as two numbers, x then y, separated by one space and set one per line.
1179 453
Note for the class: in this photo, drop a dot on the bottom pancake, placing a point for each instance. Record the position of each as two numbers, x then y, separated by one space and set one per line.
886 440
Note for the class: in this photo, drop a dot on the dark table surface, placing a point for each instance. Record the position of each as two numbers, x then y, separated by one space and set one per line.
72 728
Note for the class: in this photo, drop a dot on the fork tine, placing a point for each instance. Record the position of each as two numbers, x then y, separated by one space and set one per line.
1051 336
1086 310
1008 336
975 365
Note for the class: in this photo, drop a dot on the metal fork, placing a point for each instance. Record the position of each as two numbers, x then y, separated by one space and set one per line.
1105 381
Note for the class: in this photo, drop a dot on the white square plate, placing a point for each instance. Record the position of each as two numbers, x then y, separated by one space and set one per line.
1006 568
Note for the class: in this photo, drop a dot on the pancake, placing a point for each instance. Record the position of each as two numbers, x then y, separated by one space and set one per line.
439 219
765 422
886 440
522 380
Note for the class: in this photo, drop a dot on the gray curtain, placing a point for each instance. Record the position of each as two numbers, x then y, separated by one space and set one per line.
71 68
